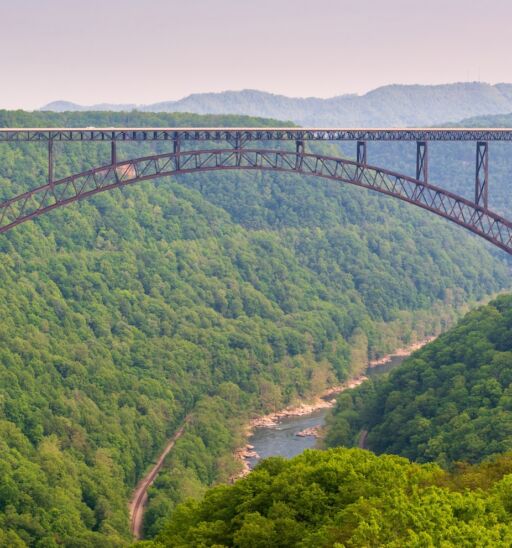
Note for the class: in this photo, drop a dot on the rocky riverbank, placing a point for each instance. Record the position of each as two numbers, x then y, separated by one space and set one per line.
325 400
313 431
401 352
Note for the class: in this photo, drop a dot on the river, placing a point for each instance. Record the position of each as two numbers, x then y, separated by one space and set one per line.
282 439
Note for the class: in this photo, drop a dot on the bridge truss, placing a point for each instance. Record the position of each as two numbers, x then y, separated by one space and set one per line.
238 154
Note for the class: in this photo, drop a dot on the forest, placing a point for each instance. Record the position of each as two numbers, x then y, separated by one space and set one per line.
451 401
446 411
220 296
349 497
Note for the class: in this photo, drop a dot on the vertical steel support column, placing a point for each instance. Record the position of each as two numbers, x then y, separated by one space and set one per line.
361 152
482 174
361 159
113 153
237 150
176 150
299 151
422 161
50 160
113 157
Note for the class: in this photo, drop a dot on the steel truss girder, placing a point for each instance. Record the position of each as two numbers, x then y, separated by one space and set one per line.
457 209
244 135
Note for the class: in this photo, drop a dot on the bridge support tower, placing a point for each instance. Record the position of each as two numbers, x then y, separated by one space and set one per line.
361 152
422 161
482 174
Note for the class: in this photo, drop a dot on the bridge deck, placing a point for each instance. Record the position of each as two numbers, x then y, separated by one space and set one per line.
254 134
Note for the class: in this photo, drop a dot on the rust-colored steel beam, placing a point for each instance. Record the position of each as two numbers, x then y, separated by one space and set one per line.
482 175
176 144
254 134
113 153
472 216
50 161
300 148
361 153
422 161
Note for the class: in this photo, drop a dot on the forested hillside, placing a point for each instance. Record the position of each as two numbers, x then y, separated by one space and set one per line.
218 296
450 401
349 497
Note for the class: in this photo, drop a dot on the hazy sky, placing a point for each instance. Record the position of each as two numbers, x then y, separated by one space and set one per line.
143 51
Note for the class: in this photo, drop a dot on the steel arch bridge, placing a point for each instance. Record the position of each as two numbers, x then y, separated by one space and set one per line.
236 155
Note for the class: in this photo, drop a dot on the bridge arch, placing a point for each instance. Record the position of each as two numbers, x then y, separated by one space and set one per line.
35 202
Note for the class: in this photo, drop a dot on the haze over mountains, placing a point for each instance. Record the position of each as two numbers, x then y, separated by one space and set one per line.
393 105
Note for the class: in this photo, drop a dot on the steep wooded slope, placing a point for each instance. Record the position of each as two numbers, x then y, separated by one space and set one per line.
220 295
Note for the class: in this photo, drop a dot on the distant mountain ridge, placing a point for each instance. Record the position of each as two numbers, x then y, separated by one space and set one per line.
393 105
